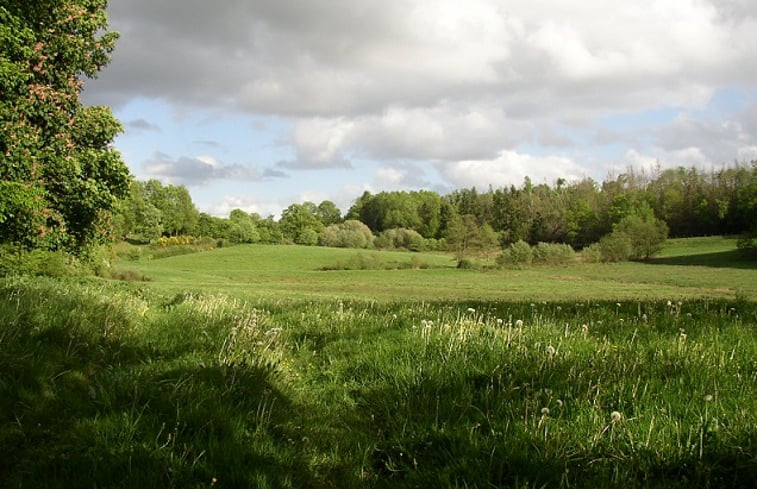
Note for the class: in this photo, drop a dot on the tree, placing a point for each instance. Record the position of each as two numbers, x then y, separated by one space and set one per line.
59 175
647 236
300 225
463 235
328 213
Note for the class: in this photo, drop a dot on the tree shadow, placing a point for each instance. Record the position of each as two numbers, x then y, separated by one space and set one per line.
721 259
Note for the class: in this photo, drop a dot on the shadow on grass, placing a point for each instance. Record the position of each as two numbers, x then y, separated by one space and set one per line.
82 409
722 259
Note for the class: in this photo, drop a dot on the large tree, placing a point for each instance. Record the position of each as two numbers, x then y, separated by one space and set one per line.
59 175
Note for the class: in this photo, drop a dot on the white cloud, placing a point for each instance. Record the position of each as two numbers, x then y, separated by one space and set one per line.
510 168
461 87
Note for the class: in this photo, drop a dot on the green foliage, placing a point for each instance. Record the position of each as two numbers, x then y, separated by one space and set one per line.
647 235
16 260
747 245
349 234
616 246
518 254
300 225
60 175
553 254
464 235
400 239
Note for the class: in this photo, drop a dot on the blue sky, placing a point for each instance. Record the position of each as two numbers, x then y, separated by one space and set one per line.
256 105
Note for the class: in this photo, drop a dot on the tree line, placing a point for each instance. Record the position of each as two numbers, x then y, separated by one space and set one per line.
688 201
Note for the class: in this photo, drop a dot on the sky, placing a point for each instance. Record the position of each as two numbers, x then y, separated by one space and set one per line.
260 104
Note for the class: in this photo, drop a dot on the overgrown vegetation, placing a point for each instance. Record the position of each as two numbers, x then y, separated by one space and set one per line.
121 385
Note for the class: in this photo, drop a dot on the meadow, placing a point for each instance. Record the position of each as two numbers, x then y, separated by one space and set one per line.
275 366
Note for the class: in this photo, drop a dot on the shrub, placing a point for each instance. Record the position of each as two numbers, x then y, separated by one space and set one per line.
553 253
591 254
15 260
647 235
747 245
517 254
615 246
349 234
400 238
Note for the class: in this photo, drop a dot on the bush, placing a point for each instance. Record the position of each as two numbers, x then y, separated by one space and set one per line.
647 235
747 245
400 238
15 260
517 254
591 254
615 246
553 253
349 234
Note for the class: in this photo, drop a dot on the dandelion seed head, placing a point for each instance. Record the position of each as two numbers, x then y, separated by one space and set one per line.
471 310
551 350
669 304
519 323
615 416
708 398
545 411
499 321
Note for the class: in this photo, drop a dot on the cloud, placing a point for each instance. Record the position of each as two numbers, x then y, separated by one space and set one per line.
510 168
196 171
484 92
141 125
259 205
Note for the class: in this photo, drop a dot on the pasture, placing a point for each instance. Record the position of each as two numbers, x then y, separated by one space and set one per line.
273 366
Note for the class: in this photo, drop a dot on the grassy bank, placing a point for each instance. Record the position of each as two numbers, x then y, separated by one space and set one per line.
259 366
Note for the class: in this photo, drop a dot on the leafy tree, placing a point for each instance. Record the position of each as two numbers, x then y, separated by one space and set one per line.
463 235
647 236
328 213
59 175
300 224
242 228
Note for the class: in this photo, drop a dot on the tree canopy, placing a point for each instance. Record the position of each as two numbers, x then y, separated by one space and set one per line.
59 175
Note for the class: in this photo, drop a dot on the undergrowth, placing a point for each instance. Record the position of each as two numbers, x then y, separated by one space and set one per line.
115 385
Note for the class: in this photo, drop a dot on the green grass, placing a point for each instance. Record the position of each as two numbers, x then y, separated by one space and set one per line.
259 271
249 367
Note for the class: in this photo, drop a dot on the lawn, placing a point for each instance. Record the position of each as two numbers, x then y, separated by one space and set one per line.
253 366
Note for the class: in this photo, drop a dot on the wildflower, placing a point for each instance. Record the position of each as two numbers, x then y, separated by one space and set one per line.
669 304
545 411
551 350
585 328
499 322
622 320
708 398
617 304
615 416
519 323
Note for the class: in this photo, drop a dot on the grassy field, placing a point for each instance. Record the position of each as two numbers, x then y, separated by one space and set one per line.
258 271
255 367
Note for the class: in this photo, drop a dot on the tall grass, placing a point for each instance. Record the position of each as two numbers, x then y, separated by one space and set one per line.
116 385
